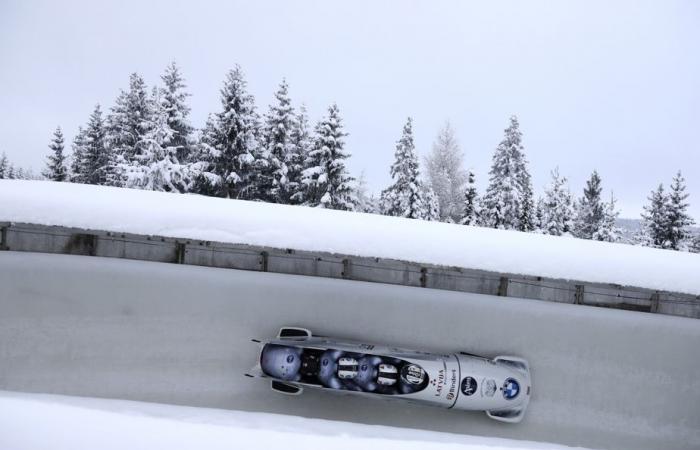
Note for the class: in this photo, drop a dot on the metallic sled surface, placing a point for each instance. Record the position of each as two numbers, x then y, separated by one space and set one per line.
296 360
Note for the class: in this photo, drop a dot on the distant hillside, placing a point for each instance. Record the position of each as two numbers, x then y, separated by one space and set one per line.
630 227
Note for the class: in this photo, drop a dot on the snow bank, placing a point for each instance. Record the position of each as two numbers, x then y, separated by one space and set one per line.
214 219
35 421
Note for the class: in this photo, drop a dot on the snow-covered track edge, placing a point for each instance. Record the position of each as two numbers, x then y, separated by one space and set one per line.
26 237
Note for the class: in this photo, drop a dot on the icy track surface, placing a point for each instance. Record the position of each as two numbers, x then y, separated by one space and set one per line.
32 421
175 334
213 219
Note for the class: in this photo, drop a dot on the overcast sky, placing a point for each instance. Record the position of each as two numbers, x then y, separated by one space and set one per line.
612 86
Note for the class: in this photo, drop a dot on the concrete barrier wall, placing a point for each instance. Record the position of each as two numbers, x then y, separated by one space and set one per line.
50 239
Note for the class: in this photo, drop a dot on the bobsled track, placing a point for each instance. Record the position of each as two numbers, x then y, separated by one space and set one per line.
180 334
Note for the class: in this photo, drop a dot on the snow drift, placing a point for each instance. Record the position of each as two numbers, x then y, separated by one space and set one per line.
314 229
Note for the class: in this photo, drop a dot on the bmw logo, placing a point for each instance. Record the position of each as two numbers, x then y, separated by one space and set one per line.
511 389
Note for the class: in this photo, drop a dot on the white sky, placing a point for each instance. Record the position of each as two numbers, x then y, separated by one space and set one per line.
608 85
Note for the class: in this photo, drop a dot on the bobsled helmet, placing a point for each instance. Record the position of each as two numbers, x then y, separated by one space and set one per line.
347 368
281 362
387 375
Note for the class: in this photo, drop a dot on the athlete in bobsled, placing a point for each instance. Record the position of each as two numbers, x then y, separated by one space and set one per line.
296 359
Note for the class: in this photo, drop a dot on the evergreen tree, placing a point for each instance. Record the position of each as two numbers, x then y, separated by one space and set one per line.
557 209
173 100
677 217
207 155
96 157
608 230
56 164
446 175
11 172
508 202
432 204
655 220
695 246
157 168
78 162
539 216
126 128
4 166
279 148
590 210
642 237
526 221
234 164
406 196
470 207
301 146
326 179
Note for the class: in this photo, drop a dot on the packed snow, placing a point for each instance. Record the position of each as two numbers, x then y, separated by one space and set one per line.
36 421
317 229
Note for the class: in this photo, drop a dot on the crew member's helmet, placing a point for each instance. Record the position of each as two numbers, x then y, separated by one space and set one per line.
388 375
347 368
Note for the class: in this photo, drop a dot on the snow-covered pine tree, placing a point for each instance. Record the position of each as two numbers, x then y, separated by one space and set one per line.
642 237
156 167
539 216
279 124
4 166
406 196
508 202
56 163
234 159
432 204
557 212
695 246
326 179
655 220
96 156
590 210
206 182
678 219
608 230
78 163
470 205
301 146
173 100
446 174
126 126
11 172
527 217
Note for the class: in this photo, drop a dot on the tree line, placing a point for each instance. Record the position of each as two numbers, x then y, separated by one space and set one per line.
146 141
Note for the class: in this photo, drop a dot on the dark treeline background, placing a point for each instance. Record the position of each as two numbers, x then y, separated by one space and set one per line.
146 141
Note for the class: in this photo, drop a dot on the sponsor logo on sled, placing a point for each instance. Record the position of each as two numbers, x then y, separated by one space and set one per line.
490 388
469 386
453 386
511 389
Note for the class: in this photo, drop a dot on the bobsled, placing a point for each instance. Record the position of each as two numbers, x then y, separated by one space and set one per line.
296 360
